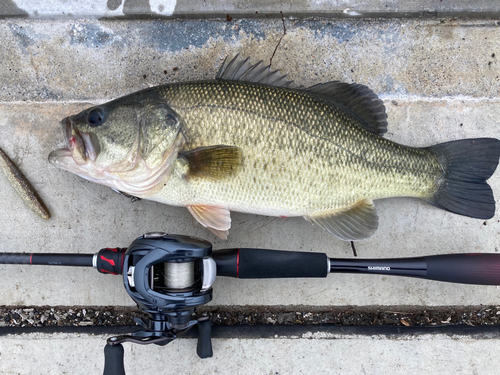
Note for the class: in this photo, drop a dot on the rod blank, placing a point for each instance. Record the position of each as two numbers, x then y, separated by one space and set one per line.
47 259
470 268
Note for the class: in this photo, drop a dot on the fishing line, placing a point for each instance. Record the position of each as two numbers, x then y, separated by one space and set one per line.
88 191
34 173
178 275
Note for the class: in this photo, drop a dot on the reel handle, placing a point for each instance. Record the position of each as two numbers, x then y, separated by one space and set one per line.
113 351
204 346
113 360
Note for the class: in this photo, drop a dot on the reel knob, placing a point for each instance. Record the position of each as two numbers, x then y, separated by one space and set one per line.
204 346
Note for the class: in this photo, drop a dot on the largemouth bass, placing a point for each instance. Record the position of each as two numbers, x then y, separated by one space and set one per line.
251 141
22 187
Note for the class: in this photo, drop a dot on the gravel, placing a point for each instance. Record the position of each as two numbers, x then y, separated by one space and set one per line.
63 316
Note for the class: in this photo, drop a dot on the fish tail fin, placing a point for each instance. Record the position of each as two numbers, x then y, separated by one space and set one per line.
467 164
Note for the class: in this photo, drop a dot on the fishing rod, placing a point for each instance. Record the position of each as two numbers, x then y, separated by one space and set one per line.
169 276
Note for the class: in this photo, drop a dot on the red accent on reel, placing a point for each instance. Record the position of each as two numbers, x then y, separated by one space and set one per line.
104 271
110 261
238 263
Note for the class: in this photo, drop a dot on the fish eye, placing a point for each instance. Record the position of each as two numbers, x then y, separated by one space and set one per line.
96 117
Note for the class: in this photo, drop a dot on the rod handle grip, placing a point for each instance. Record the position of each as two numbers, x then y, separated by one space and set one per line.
471 268
247 263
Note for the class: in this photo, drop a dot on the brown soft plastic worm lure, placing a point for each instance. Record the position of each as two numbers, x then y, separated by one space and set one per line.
23 187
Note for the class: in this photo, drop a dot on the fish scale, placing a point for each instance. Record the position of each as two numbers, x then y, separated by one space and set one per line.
253 142
330 149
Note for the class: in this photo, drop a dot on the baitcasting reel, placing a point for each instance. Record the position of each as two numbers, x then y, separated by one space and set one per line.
168 277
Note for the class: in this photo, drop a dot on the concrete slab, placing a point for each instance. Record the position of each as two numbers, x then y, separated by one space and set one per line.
91 60
312 353
439 82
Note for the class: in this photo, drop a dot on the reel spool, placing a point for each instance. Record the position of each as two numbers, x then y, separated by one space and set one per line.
179 275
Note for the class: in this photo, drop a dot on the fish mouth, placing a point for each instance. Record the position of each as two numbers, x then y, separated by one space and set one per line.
79 143
80 147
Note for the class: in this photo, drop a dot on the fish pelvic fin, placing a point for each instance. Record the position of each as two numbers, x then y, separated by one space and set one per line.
356 223
467 164
215 162
216 219
222 234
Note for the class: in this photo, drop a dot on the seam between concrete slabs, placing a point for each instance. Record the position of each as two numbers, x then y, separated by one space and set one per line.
325 332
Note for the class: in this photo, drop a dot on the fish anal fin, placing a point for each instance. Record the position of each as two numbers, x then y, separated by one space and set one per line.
217 219
216 162
356 223
358 100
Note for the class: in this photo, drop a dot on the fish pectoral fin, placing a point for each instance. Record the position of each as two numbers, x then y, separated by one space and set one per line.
217 219
216 162
356 223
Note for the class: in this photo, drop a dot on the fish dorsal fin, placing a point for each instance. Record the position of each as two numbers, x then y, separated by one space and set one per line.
216 162
358 99
240 69
357 223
